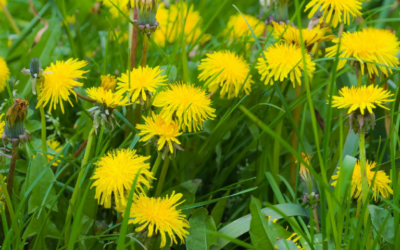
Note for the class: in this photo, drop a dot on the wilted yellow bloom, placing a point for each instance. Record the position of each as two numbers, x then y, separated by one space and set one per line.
59 82
4 74
380 187
108 82
229 71
368 46
283 61
304 172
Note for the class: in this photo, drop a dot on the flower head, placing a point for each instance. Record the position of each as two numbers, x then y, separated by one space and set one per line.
304 172
237 27
156 126
368 46
147 10
122 5
188 103
364 97
141 82
108 82
115 174
107 97
228 71
291 35
15 118
283 61
4 74
160 216
59 82
334 9
379 187
2 124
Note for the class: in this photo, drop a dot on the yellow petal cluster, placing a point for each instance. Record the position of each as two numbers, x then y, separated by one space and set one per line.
2 124
228 71
364 97
380 187
304 172
107 97
283 61
115 174
335 10
4 74
108 82
139 81
160 216
54 145
59 82
188 103
122 5
368 46
237 27
156 126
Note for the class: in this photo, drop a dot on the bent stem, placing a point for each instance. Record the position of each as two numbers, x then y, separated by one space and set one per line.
43 123
76 189
162 176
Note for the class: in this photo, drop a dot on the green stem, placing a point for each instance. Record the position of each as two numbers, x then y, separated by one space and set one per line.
359 79
138 114
156 165
145 49
10 177
42 120
162 176
363 167
76 189
100 140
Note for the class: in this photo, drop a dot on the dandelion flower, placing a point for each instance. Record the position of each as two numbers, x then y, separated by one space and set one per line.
115 174
108 82
160 216
156 126
2 124
54 145
291 35
107 97
4 74
283 61
122 5
188 103
380 187
237 27
59 81
366 46
4 3
140 82
364 97
229 72
334 9
304 172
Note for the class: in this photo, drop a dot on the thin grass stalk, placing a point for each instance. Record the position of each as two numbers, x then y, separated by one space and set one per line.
76 189
43 123
162 176
363 167
296 117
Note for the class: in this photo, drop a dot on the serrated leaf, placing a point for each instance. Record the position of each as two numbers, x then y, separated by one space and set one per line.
382 218
198 239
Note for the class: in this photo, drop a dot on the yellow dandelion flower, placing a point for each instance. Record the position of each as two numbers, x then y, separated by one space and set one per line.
283 61
167 20
107 97
230 72
59 82
4 3
238 28
364 97
2 195
115 174
334 9
291 35
368 45
304 172
122 5
160 216
188 103
4 74
156 126
108 82
380 187
2 124
140 81
54 145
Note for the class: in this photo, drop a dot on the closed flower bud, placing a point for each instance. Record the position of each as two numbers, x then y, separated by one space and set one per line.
147 10
35 68
15 117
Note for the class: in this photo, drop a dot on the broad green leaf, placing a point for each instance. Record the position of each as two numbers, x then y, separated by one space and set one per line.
199 222
21 166
41 188
259 231
32 125
378 218
50 230
282 244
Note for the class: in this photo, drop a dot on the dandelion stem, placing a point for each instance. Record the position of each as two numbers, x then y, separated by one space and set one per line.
315 213
133 32
162 176
296 117
76 189
359 79
156 165
10 177
43 123
363 167
144 50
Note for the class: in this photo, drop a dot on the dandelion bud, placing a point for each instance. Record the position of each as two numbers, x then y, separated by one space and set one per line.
108 82
15 117
147 10
35 68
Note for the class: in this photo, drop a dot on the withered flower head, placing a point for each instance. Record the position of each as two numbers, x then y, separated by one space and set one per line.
147 10
15 118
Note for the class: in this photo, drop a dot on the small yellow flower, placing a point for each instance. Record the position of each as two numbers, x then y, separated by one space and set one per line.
188 103
283 61
362 98
229 72
380 187
366 46
140 82
54 145
59 82
291 35
115 174
160 216
108 82
304 172
2 124
71 19
4 74
107 97
122 5
334 9
157 127
237 27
